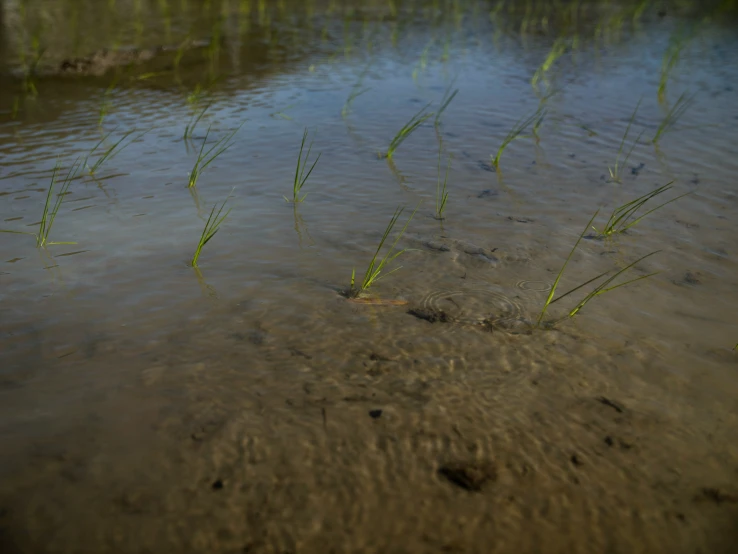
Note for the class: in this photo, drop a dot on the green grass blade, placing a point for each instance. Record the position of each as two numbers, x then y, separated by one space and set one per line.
626 227
517 129
552 292
602 288
445 101
415 121
212 226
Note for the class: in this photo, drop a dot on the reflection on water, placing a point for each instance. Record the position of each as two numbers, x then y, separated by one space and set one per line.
245 405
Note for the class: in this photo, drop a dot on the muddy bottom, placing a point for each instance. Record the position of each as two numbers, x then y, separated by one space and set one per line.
501 443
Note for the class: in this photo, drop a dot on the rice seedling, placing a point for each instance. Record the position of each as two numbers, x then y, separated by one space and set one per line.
300 177
205 158
448 96
615 171
442 190
671 58
557 50
194 120
600 289
423 62
282 112
673 115
212 226
517 130
374 270
48 216
357 90
110 151
621 218
415 121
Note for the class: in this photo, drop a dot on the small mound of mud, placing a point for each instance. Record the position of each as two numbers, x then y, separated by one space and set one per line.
429 314
102 61
470 476
513 326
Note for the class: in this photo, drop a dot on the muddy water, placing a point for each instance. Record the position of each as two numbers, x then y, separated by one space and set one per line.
248 407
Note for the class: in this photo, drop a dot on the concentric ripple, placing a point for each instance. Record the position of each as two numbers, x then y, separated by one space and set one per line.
537 286
472 307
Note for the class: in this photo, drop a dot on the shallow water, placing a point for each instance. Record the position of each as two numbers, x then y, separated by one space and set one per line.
248 407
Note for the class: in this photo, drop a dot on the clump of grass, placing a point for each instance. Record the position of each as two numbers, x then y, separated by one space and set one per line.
448 96
194 120
111 151
51 209
376 266
621 218
615 171
205 158
602 288
415 121
517 130
673 115
300 177
212 226
442 190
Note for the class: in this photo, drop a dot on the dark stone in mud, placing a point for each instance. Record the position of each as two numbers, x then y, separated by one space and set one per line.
610 441
429 315
614 405
692 278
375 414
470 476
717 496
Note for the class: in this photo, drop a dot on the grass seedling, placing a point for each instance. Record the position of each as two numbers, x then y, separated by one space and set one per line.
415 121
356 91
51 209
441 190
300 177
615 172
194 120
517 130
448 96
205 158
557 50
670 60
621 218
676 112
374 270
561 272
602 288
110 151
212 225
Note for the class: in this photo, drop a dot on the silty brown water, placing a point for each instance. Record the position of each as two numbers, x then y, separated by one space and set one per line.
249 407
